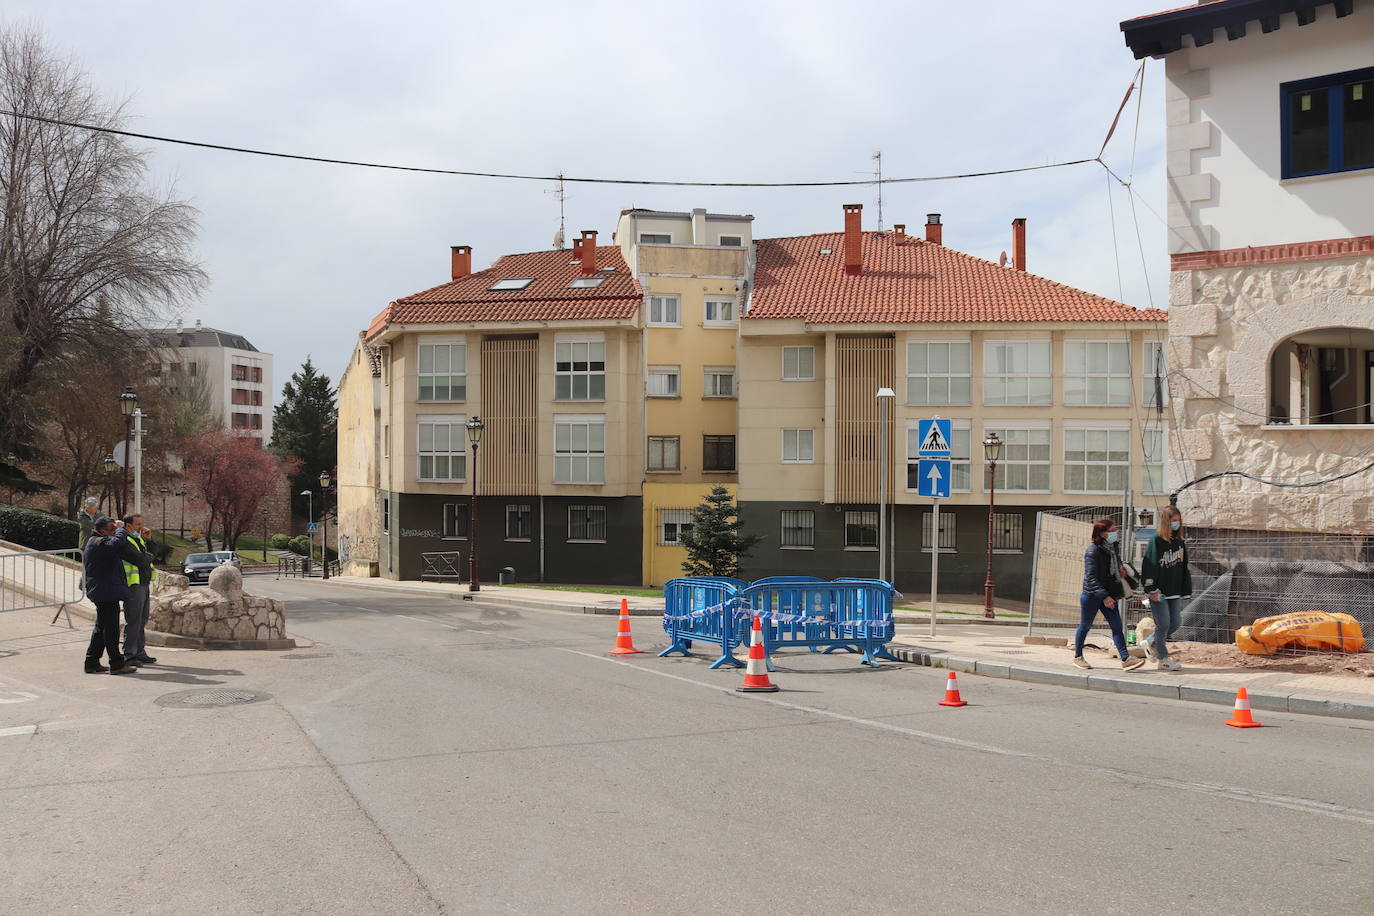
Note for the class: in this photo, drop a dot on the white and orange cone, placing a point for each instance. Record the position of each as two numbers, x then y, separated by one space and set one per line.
1242 718
952 697
624 642
756 672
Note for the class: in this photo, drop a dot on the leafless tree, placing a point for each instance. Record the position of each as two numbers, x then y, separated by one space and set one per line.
87 249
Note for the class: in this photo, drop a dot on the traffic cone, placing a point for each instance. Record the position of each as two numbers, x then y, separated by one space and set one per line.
1241 718
756 672
952 697
624 642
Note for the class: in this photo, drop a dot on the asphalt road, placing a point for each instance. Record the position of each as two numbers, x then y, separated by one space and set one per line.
429 755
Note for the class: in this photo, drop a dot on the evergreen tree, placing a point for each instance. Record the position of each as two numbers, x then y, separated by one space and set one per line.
714 543
305 429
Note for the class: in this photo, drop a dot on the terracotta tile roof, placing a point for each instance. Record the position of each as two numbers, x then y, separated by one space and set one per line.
548 298
917 281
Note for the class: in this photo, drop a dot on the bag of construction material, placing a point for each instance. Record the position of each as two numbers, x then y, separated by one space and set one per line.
1303 630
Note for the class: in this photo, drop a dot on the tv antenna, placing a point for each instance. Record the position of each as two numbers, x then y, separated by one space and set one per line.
561 195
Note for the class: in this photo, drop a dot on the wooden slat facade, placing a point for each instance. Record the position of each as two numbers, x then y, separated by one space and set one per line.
862 366
510 381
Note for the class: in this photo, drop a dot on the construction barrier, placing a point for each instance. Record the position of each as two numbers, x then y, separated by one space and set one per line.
700 609
850 614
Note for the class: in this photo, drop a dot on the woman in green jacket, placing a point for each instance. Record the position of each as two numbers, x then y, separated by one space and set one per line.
1166 579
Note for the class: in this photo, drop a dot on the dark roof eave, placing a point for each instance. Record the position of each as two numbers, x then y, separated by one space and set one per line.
1163 33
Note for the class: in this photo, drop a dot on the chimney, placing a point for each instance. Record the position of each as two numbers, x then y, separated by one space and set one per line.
462 261
588 251
699 226
577 250
1018 243
853 238
899 229
935 232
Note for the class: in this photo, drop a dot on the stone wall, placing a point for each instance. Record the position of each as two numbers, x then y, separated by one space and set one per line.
220 611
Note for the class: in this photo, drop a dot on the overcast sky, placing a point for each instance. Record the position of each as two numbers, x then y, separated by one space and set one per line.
301 255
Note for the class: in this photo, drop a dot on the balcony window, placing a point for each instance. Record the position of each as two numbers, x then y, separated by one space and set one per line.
1327 123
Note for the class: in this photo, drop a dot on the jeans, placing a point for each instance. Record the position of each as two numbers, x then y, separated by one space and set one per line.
135 620
105 635
1168 614
1089 606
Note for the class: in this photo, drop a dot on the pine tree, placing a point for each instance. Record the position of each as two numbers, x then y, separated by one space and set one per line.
305 428
714 544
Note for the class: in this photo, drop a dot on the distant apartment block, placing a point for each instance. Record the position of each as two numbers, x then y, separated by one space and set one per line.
236 374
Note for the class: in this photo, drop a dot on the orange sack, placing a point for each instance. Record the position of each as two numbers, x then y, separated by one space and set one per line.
1303 630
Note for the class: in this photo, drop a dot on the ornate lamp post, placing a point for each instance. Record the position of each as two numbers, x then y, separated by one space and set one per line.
992 450
475 427
163 521
128 402
181 525
324 521
110 465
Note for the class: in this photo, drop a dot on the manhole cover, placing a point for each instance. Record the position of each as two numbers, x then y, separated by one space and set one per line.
211 697
296 655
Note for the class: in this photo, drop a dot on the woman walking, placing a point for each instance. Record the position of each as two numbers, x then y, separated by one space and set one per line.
1102 589
1167 581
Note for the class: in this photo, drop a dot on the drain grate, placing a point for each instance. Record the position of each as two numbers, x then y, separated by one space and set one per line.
211 697
298 655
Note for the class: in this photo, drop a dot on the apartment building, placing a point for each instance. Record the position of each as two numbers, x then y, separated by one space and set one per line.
546 349
236 375
1270 125
692 269
1065 378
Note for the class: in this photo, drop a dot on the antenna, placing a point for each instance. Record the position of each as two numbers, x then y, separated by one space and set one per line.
561 196
878 173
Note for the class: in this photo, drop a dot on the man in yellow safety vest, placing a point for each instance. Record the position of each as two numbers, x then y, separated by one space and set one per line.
139 576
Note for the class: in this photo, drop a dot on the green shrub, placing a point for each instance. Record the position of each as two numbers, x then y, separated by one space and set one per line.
280 542
38 530
300 544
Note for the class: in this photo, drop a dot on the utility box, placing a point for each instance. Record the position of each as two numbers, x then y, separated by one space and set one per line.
507 576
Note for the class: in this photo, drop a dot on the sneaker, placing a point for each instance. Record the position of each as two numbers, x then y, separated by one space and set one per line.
1172 665
1081 662
1162 664
1130 664
1149 650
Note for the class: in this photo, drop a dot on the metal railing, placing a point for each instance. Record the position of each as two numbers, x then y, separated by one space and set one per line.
303 568
41 579
441 566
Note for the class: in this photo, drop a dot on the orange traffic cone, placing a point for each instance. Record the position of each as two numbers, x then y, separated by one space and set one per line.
756 672
1241 718
952 697
624 642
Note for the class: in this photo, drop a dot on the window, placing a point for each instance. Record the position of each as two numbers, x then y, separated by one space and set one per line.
517 522
937 373
587 523
719 382
238 396
386 514
655 238
1153 445
1016 372
256 421
1328 123
798 446
386 440
443 449
443 372
257 398
579 370
256 374
1025 461
456 518
663 381
798 528
948 525
239 373
718 453
672 524
240 421
798 364
665 311
732 241
579 450
720 311
586 283
663 453
861 529
1097 460
510 283
1008 529
958 457
1153 367
1097 373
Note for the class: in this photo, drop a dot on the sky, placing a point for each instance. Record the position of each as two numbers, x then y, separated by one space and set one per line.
301 255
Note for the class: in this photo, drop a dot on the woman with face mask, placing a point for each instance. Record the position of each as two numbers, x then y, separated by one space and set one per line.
1102 589
1167 581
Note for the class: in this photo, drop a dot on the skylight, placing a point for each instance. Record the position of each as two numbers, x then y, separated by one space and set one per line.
586 283
511 283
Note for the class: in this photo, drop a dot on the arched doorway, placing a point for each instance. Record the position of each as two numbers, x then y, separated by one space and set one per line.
1323 377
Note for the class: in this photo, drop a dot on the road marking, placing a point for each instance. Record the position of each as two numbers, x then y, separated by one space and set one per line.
1235 793
18 730
16 696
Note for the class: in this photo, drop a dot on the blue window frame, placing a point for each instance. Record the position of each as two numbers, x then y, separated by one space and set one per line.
1328 123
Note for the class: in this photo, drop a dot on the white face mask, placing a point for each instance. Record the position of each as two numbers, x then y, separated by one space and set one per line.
1174 526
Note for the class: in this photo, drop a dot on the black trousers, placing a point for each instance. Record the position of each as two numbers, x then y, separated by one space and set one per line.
105 635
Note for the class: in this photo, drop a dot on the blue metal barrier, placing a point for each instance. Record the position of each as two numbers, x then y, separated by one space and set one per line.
850 614
699 608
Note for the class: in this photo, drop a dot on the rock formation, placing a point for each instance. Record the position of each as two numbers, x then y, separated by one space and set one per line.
221 611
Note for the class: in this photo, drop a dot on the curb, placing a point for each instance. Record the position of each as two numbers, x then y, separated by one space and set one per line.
1275 702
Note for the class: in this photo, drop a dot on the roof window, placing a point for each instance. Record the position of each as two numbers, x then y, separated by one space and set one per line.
827 251
586 283
510 283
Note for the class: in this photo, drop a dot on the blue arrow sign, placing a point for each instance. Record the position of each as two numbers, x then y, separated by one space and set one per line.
933 438
933 478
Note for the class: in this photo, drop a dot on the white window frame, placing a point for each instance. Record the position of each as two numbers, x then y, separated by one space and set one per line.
738 243
1083 432
1047 377
672 387
730 302
949 525
567 457
587 508
783 528
961 431
649 450
663 304
643 235
1114 382
711 388
797 375
453 343
680 519
948 377
799 437
572 374
1004 429
1147 371
457 428
1160 452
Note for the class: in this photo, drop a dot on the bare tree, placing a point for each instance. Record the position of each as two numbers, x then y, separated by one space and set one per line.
86 249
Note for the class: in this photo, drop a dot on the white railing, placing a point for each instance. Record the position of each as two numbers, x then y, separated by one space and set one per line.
39 578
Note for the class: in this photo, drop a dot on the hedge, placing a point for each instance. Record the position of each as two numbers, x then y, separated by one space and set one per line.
38 530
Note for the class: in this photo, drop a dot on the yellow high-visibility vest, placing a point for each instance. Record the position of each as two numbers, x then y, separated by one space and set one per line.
130 570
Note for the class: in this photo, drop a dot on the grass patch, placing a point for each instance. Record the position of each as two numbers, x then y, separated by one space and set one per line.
598 590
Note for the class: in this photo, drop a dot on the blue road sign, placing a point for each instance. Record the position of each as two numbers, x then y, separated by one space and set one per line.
933 478
312 527
933 439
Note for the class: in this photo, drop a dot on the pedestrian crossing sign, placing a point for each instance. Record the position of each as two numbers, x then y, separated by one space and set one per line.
933 438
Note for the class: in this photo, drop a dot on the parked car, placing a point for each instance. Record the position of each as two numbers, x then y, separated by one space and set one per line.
199 566
230 557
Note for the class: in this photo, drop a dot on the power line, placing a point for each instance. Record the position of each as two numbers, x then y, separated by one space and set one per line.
520 177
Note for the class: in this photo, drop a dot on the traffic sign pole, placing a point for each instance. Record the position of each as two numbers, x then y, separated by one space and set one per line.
935 478
935 567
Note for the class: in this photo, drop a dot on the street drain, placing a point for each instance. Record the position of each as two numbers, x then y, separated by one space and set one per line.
309 655
210 698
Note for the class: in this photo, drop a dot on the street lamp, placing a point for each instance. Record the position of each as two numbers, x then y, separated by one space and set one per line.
324 521
164 491
992 450
475 427
128 403
885 396
110 466
1147 518
264 534
181 525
